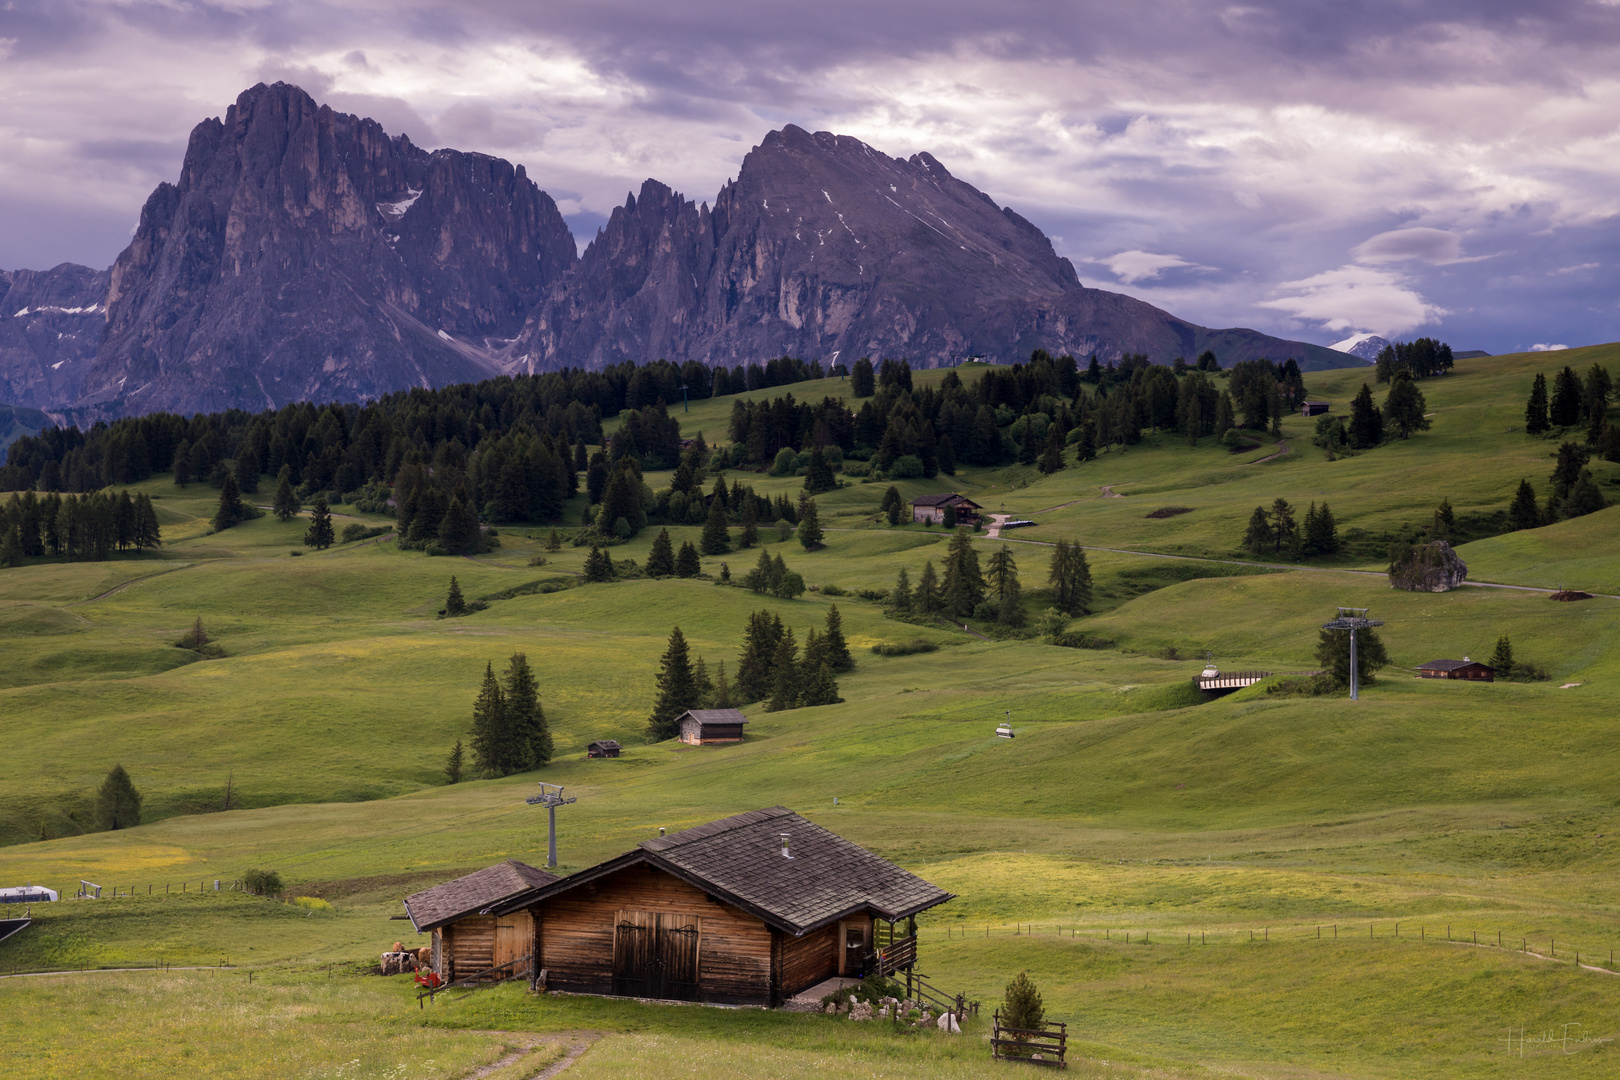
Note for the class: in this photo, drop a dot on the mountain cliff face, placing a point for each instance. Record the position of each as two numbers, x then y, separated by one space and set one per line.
50 326
824 247
305 254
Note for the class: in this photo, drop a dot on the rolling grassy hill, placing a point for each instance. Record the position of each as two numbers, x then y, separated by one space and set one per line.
1126 804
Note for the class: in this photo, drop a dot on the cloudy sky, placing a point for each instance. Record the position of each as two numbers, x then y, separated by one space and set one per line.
1313 168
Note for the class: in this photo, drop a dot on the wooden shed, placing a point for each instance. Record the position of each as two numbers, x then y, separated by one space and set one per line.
705 727
467 939
751 909
1457 669
932 508
603 748
1313 408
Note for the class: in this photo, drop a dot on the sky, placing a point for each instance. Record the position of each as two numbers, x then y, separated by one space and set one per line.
1317 169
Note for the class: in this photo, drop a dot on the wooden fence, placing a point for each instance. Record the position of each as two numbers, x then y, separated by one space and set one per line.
1034 1046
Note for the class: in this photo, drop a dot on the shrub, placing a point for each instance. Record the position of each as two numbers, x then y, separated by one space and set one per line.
906 467
905 648
1077 640
832 590
262 882
857 468
356 531
295 554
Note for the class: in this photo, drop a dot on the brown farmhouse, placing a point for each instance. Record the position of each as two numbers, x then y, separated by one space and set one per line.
1457 669
750 909
466 938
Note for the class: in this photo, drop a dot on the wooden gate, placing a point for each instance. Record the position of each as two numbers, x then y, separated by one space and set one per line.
655 955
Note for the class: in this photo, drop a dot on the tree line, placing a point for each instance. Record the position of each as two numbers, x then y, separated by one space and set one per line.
1575 402
87 528
993 593
1280 530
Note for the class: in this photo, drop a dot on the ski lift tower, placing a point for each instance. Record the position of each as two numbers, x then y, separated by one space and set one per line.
550 797
686 401
1353 619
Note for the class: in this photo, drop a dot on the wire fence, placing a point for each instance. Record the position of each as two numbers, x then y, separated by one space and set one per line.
1542 945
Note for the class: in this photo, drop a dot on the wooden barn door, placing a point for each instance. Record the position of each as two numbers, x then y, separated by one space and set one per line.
512 938
655 955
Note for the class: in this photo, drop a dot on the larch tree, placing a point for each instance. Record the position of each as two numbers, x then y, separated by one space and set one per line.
785 686
1259 535
1052 456
677 689
1535 409
687 563
716 539
836 648
118 804
1004 587
930 598
964 583
661 559
1366 422
1502 658
455 764
489 726
900 596
1403 408
528 735
285 504
809 525
230 510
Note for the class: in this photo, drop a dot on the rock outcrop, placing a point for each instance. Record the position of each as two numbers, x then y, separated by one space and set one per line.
50 327
1431 567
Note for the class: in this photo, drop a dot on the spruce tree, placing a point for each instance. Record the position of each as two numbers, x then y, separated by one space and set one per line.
554 540
1004 587
1283 528
809 526
1366 422
833 643
11 549
1329 541
1052 456
785 675
118 804
1403 409
489 728
528 737
930 598
455 604
1333 653
458 532
1311 531
1523 513
1535 410
755 665
661 559
820 686
687 563
1502 658
1444 522
1022 1006
818 475
704 684
750 525
1565 408
716 539
722 697
1086 448
230 509
319 534
246 471
964 584
1259 534
455 763
900 596
598 565
285 505
677 690
147 532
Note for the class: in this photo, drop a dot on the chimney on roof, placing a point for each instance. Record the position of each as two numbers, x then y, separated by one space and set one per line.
787 844
660 830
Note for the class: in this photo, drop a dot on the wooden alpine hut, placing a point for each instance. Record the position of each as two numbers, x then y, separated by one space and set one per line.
1457 669
751 909
467 939
706 727
932 508
603 748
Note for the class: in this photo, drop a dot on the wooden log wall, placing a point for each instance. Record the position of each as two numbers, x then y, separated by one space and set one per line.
469 946
576 932
809 959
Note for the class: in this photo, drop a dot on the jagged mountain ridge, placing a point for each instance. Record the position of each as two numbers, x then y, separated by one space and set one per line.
51 323
306 254
824 247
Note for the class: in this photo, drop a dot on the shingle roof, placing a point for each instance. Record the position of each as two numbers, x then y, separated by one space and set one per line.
713 716
941 500
739 859
1449 665
471 894
608 744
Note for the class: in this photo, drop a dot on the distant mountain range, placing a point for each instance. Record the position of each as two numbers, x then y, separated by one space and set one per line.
306 254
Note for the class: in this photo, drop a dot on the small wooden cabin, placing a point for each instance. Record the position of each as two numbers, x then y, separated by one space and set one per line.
468 939
748 910
932 508
603 748
1313 408
706 727
1457 669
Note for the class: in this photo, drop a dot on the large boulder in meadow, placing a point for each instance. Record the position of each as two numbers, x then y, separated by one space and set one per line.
1432 567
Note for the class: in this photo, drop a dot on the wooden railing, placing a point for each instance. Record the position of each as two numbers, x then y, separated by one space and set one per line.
487 977
920 990
898 955
1036 1046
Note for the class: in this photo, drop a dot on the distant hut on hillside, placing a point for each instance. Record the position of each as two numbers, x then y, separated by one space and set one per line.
1465 668
705 727
932 508
603 748
1313 408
